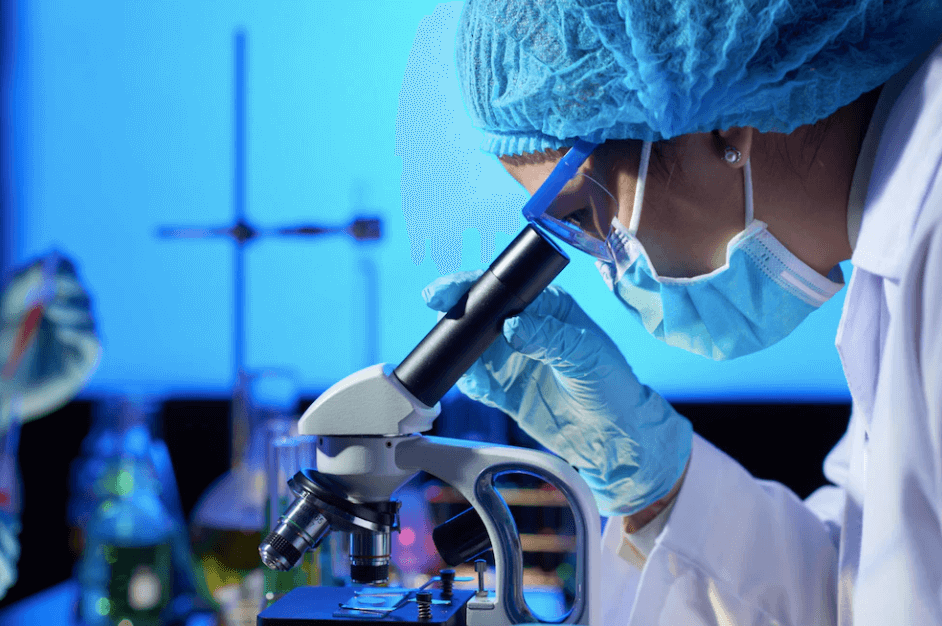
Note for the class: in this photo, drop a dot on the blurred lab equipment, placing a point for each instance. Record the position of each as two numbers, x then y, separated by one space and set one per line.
230 516
224 535
122 445
283 460
368 446
48 337
49 349
288 455
135 556
9 491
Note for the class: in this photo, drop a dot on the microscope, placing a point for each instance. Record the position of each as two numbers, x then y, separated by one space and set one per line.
367 429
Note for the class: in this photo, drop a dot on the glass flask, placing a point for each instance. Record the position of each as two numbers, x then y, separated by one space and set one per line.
228 522
123 497
126 572
286 456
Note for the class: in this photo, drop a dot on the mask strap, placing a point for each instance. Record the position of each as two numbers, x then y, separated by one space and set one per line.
747 180
639 188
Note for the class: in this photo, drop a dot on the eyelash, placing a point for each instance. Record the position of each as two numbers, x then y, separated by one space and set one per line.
576 218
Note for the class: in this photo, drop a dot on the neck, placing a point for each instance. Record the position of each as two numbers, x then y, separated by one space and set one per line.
803 180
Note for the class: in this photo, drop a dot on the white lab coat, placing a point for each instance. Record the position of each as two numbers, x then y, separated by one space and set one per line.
867 550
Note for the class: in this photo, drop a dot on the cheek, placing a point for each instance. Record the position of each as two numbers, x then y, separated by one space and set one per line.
623 188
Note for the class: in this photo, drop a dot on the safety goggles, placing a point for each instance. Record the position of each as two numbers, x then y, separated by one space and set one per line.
535 208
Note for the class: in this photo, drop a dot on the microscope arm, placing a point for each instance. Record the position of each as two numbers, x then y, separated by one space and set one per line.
471 468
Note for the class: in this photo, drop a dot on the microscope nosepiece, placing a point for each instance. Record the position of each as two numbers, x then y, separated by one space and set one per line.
319 505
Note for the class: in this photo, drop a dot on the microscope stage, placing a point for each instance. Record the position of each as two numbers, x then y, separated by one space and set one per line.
320 606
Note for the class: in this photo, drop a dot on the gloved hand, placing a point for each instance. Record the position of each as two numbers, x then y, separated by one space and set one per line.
9 551
65 349
563 380
40 370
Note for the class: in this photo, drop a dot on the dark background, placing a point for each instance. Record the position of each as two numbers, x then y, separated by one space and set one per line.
783 442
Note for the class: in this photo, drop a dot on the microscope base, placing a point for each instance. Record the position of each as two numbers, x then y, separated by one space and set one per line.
319 606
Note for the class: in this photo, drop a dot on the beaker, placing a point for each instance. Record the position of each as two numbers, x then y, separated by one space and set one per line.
135 558
230 517
285 456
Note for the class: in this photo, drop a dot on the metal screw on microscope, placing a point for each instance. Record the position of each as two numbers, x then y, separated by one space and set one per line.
480 566
423 600
447 576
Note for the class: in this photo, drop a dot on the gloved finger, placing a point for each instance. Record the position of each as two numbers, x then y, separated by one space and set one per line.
31 287
442 293
68 287
78 359
554 301
571 349
73 315
64 266
9 554
499 378
9 545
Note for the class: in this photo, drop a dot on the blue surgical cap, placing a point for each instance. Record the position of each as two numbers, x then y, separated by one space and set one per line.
537 74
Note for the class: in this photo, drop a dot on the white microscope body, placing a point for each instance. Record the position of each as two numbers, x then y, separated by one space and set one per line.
367 427
369 444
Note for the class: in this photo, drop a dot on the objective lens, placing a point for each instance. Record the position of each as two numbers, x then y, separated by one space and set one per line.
369 557
301 528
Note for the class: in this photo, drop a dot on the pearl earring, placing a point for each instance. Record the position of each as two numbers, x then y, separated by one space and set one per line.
731 155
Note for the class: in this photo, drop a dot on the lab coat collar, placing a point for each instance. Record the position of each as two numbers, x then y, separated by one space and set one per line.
891 164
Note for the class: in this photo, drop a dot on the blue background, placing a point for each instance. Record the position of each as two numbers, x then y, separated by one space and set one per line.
119 120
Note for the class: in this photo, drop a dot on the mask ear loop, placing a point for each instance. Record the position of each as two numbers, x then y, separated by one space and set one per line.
747 186
602 187
639 188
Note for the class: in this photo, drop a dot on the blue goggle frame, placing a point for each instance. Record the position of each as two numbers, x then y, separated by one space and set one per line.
535 208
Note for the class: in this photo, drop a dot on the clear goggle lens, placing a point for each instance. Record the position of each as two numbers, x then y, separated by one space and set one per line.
535 209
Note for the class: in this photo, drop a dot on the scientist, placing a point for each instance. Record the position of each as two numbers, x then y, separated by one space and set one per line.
48 350
732 153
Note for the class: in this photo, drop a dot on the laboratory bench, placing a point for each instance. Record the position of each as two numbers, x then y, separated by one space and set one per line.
56 606
783 442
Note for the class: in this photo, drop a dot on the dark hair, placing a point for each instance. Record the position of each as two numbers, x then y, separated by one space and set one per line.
662 165
528 158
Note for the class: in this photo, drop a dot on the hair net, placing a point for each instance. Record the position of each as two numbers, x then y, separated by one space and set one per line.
536 74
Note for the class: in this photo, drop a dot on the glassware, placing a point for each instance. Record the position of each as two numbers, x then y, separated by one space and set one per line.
284 460
227 524
127 570
123 501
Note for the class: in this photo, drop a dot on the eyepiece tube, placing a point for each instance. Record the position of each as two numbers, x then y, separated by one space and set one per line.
510 284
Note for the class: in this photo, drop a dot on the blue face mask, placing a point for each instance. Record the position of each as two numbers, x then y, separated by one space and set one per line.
757 298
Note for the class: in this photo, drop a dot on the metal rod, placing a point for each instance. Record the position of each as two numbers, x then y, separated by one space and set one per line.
238 197
239 421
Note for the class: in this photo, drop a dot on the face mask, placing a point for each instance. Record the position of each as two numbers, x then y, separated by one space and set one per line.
757 298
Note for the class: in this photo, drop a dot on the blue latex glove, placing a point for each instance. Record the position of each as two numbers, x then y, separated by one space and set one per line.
65 349
563 380
9 552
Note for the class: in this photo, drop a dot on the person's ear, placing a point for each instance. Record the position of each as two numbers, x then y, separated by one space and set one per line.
734 145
